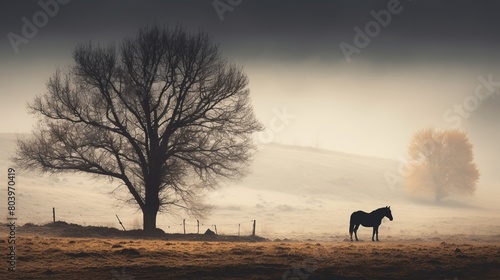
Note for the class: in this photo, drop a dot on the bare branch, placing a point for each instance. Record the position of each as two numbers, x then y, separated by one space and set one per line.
165 115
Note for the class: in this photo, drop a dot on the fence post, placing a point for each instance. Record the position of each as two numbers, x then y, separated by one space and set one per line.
215 226
120 223
54 215
239 226
184 225
198 224
253 231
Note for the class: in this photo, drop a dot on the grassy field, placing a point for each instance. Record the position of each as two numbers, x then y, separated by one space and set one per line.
294 194
46 257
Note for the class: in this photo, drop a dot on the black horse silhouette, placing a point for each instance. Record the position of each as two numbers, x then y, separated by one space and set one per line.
372 219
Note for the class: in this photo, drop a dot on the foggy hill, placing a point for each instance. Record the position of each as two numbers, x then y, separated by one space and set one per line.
291 191
282 168
302 170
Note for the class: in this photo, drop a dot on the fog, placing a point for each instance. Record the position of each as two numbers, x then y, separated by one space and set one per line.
334 106
423 70
374 110
292 192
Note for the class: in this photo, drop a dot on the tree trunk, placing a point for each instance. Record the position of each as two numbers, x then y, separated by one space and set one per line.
149 218
439 192
153 178
151 207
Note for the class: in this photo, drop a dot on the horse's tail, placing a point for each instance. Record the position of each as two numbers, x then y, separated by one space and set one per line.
351 226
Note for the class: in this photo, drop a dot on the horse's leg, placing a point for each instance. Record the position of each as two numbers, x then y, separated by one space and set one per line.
375 229
356 231
351 227
373 234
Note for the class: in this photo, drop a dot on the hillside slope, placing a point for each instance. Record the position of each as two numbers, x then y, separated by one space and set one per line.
321 172
291 192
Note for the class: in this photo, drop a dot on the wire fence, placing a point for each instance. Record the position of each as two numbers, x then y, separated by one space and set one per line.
197 226
168 225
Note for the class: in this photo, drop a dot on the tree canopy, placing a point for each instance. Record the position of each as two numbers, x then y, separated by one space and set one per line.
440 163
163 113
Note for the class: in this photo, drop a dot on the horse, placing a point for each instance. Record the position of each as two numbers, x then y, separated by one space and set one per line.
373 219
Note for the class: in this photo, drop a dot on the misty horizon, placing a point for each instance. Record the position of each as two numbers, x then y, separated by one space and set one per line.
412 70
389 107
408 77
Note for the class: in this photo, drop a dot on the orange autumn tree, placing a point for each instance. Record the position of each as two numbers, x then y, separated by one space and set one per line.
440 163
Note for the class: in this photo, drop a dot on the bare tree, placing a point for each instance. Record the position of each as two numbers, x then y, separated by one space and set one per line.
441 162
164 114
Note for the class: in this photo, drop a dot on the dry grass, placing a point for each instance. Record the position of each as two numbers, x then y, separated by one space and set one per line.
43 257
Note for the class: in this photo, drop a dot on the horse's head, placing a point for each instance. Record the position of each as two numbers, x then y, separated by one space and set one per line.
387 212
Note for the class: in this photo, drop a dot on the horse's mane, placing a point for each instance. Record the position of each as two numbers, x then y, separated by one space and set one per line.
380 209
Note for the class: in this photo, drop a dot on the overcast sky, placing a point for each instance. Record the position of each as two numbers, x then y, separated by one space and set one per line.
417 67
